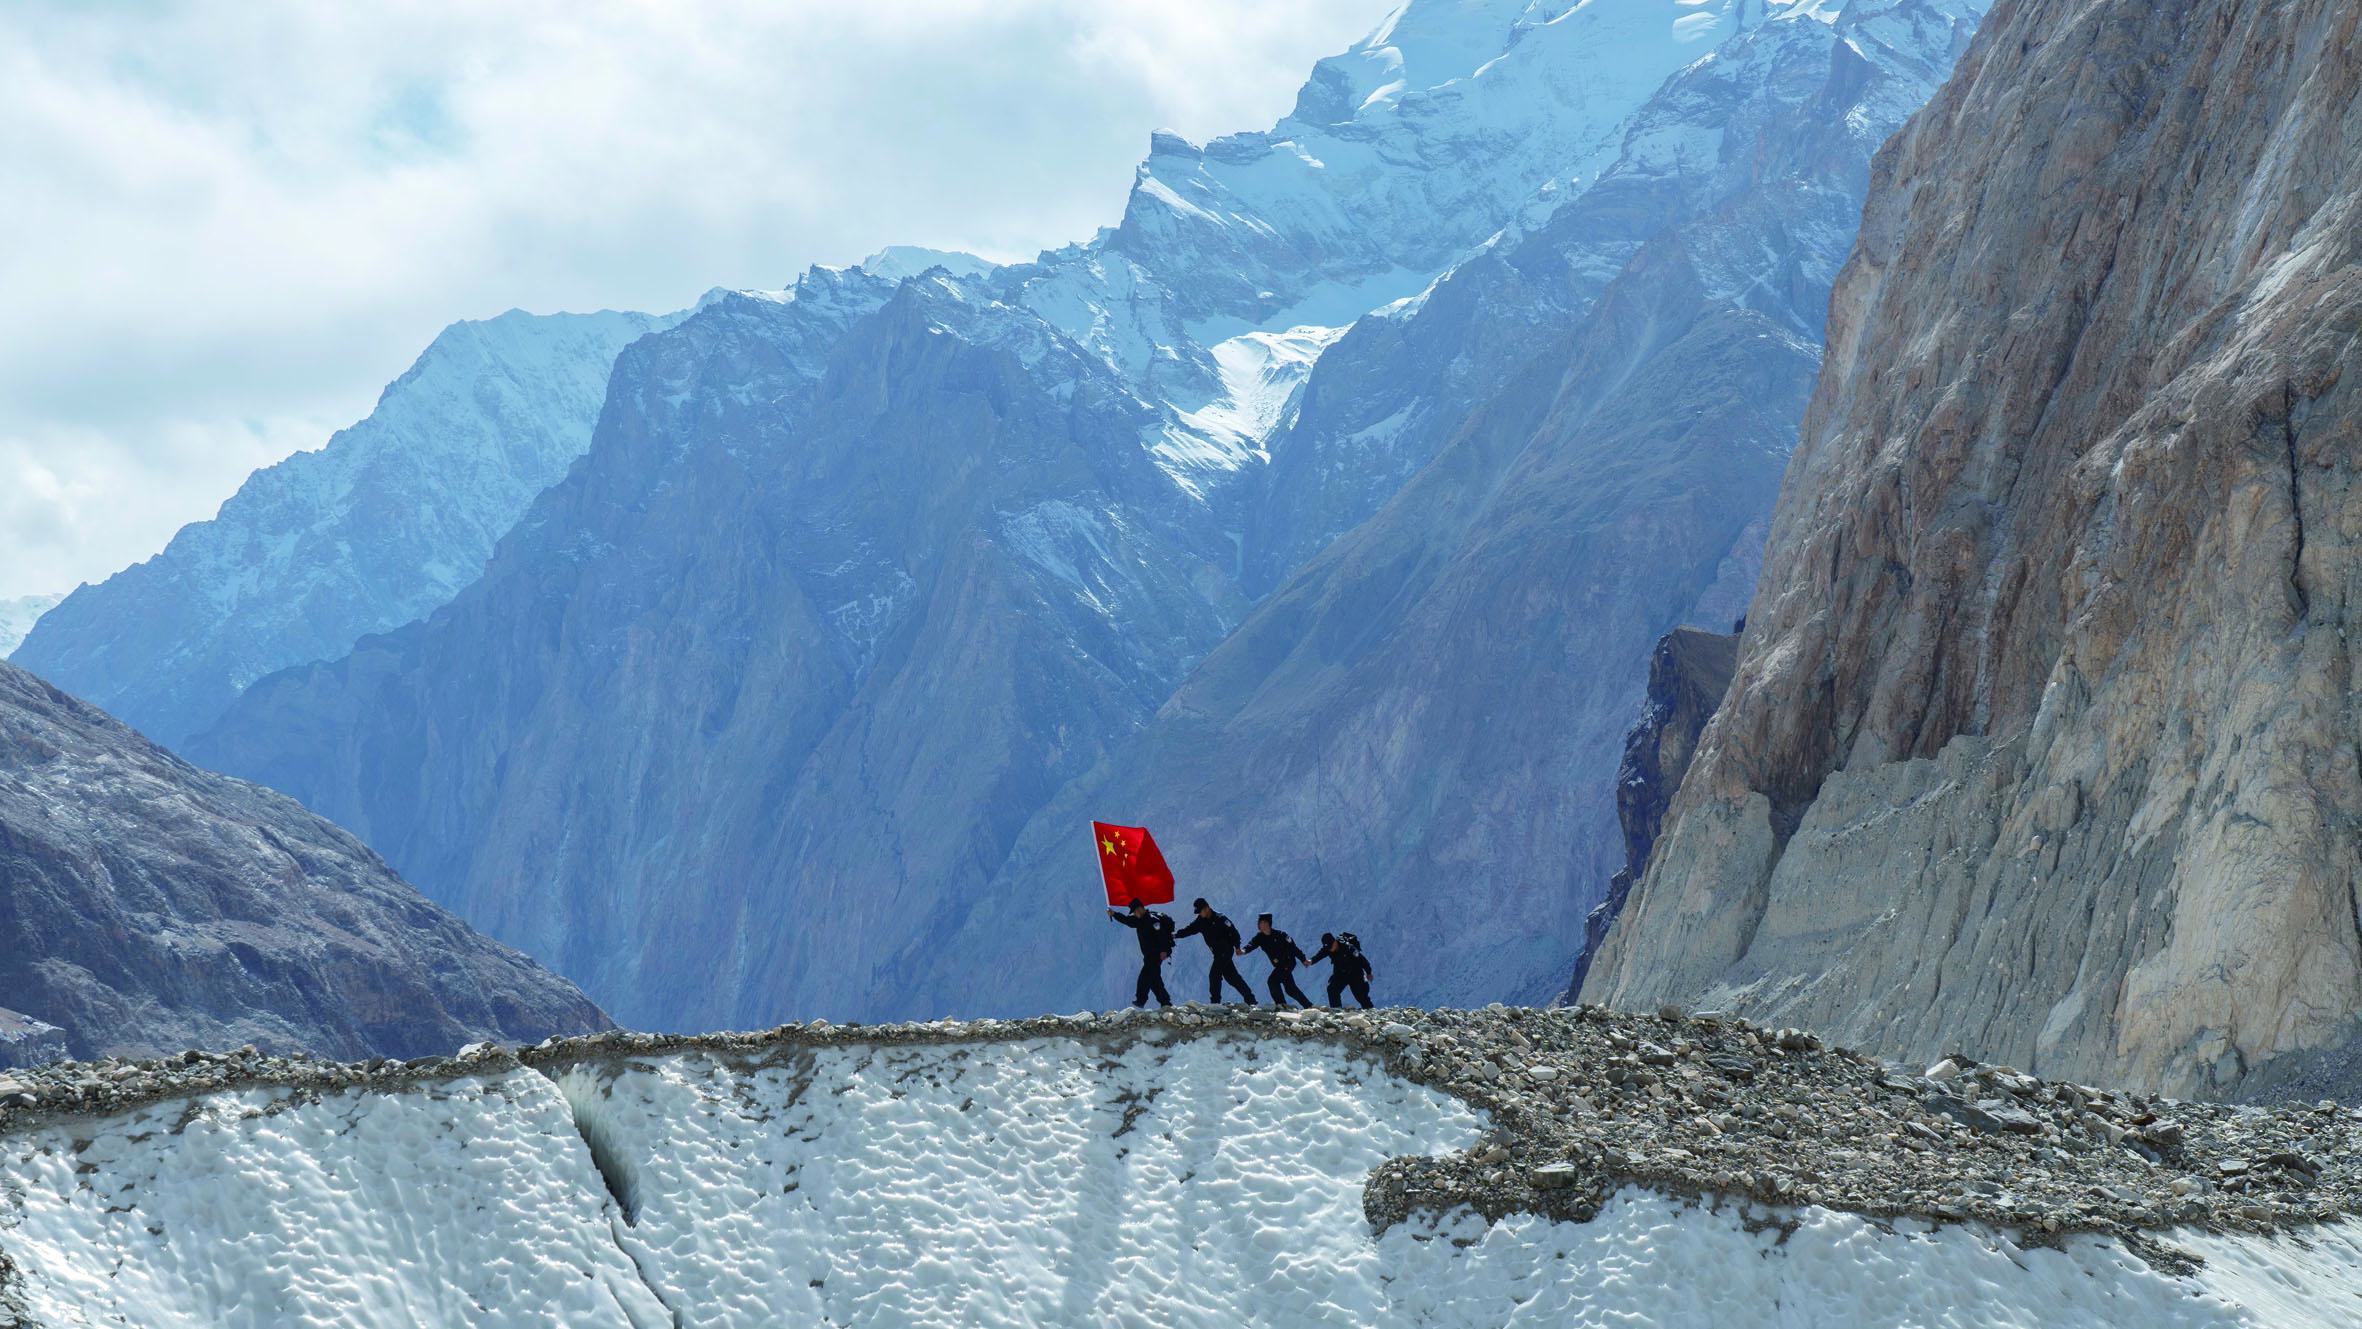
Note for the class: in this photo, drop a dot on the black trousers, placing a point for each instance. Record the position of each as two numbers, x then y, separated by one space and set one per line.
1359 983
1226 972
1152 980
1284 981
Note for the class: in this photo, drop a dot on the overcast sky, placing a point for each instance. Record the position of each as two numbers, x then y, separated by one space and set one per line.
227 225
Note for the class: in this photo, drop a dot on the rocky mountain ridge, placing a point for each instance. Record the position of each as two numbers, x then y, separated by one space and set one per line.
2042 743
1416 733
148 906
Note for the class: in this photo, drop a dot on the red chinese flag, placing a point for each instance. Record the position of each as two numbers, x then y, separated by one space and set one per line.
1132 864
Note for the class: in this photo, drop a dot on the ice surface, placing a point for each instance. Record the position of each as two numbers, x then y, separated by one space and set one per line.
471 1203
1045 1182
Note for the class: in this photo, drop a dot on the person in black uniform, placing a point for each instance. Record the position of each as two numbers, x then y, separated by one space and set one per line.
1348 967
1222 939
1156 942
1285 955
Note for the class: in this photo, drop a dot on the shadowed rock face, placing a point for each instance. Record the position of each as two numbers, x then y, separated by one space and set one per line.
1686 679
2043 737
147 906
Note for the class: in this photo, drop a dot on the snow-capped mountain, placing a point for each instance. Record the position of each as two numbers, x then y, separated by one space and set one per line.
386 522
18 616
747 715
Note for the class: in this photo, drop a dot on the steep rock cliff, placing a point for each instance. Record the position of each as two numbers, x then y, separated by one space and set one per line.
2043 742
1686 680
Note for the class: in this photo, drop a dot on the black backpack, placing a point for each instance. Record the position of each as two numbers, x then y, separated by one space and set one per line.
1162 927
1349 944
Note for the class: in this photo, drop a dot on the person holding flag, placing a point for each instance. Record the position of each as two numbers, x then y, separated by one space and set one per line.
1156 942
1135 874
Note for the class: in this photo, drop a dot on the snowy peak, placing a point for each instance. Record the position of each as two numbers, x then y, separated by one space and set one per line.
18 616
377 529
896 262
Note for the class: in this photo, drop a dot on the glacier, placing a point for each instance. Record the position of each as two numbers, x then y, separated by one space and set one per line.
1157 1174
17 617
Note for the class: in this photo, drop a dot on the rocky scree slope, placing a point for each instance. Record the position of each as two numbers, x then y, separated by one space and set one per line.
2043 740
855 580
146 906
661 1178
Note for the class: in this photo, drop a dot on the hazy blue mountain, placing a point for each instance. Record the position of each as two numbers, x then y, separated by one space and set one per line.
386 522
751 712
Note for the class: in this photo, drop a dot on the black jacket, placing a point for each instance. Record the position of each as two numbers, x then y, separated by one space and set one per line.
1282 949
1156 932
1347 963
1220 933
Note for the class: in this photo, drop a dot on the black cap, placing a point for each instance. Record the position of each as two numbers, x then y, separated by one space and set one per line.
1262 918
1199 903
1328 936
1135 904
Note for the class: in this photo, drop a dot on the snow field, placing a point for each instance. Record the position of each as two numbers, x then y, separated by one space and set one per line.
467 1203
1651 1260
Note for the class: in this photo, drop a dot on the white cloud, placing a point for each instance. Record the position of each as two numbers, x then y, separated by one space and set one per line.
229 224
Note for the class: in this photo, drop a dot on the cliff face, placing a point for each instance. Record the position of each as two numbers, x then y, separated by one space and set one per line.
2043 737
147 907
1686 679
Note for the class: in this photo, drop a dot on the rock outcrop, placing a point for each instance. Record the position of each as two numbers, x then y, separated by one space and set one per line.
1686 679
25 1041
2043 740
147 906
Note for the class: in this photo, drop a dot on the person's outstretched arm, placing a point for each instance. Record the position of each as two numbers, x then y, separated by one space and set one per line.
1126 919
1192 930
